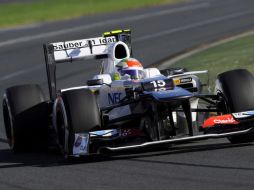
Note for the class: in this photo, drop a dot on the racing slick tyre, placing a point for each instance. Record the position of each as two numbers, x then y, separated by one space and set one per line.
237 88
75 112
25 117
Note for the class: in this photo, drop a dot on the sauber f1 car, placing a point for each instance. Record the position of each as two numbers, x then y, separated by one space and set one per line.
110 113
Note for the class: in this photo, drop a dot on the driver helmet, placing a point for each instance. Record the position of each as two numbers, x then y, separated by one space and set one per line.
130 67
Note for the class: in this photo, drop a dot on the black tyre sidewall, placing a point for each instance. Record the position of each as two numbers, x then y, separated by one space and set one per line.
17 100
237 86
80 113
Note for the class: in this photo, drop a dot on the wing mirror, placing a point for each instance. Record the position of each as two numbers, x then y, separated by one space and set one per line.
173 71
94 82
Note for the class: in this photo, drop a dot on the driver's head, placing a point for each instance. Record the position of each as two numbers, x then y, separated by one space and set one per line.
131 67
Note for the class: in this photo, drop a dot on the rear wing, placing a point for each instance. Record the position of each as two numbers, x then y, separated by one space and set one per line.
69 51
93 48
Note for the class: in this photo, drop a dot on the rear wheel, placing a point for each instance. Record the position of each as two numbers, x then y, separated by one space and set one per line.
76 112
25 117
237 88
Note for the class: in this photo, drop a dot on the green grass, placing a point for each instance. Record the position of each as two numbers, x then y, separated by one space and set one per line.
235 54
45 10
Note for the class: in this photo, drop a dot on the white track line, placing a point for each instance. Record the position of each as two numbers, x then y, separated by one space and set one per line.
22 27
103 23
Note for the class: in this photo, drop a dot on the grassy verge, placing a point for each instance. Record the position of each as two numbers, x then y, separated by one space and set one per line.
235 54
45 10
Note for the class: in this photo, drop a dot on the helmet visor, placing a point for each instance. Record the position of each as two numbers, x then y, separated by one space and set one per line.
133 73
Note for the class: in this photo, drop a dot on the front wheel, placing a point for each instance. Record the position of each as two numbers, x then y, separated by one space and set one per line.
76 113
237 89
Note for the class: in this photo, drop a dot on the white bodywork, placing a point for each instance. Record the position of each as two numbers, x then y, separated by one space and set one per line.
110 95
110 63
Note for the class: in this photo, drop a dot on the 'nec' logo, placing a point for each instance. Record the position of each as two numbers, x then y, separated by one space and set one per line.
114 97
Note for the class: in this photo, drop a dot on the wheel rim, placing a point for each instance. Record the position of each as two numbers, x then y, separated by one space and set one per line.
8 120
60 129
62 134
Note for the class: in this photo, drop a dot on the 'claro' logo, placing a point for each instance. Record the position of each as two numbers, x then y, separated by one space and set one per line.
224 121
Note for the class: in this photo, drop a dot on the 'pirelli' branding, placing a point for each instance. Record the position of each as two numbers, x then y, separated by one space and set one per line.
185 80
178 81
83 43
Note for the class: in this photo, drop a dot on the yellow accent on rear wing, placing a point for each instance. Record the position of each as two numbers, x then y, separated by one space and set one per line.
116 32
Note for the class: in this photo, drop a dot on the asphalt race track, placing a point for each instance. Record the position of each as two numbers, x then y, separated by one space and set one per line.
157 34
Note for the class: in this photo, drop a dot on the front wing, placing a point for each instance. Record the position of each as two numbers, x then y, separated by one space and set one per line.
214 127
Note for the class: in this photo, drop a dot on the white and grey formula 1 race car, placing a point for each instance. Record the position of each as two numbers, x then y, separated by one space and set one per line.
165 107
